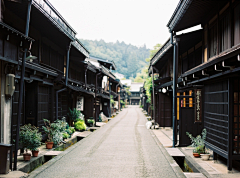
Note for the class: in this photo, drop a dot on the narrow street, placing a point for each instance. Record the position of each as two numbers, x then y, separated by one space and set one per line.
121 148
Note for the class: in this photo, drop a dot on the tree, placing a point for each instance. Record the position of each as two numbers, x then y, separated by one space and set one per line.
128 58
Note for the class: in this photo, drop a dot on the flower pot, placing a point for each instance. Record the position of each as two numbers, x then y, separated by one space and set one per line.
35 153
26 156
49 145
205 157
196 155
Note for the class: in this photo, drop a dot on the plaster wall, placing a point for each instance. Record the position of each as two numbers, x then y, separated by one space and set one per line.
6 110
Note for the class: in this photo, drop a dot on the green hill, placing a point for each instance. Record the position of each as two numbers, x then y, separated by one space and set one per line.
129 59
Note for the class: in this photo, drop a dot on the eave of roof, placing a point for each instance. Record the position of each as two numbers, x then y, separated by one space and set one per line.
16 31
54 16
80 47
111 62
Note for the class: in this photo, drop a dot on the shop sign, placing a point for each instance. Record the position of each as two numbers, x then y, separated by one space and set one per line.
80 103
198 105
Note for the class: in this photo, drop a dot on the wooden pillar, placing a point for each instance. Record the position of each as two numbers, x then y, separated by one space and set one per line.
0 10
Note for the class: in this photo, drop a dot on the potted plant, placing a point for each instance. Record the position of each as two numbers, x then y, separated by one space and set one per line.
54 132
73 115
205 155
30 139
91 121
198 143
50 131
35 141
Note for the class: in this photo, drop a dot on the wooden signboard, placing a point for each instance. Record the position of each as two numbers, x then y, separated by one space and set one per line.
80 103
198 105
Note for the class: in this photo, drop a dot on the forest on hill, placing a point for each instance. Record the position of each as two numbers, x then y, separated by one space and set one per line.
128 58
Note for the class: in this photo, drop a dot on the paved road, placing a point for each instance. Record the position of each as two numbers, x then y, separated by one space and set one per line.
121 148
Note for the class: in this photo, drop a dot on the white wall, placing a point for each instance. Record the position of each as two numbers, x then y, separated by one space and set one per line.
6 110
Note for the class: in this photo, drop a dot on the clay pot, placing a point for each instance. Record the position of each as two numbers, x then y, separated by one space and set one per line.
49 145
26 156
205 157
196 155
35 153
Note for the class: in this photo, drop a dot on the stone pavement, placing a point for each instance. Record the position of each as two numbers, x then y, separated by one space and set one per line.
208 168
121 148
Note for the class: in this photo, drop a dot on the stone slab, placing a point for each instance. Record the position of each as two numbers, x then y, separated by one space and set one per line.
83 134
175 152
165 141
52 153
193 175
14 174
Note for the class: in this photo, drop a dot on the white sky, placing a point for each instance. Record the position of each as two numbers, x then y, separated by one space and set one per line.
137 22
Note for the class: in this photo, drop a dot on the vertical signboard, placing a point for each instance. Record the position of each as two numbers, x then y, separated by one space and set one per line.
80 103
198 105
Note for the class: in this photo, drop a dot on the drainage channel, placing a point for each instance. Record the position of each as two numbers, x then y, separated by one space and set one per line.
188 169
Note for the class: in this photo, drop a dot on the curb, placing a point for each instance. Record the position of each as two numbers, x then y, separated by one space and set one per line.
177 170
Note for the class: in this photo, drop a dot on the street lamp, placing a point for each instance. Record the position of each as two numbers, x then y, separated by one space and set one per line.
164 90
30 58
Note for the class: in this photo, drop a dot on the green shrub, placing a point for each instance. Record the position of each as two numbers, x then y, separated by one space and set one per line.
30 137
91 121
72 129
80 125
65 135
69 132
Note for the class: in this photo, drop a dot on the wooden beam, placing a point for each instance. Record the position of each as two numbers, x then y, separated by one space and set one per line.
216 69
203 73
230 67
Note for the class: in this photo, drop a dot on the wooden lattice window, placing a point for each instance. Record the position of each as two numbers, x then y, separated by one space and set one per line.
236 120
216 114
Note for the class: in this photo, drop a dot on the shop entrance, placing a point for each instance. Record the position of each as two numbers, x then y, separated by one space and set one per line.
186 117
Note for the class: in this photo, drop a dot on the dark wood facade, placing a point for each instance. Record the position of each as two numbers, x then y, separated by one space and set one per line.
208 61
56 78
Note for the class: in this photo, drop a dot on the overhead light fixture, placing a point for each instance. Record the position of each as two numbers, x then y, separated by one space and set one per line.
30 58
164 90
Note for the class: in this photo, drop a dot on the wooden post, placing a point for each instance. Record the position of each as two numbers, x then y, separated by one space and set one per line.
0 10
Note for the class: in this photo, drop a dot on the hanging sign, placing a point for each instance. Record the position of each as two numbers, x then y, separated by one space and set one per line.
80 103
198 105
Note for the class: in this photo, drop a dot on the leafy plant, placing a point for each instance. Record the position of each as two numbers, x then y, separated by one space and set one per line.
90 121
199 140
74 114
80 125
72 129
54 130
68 131
112 100
65 135
30 137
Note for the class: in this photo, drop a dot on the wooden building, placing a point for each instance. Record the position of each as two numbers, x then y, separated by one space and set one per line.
57 79
204 77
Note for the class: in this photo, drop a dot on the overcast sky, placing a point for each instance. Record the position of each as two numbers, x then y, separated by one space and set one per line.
137 22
